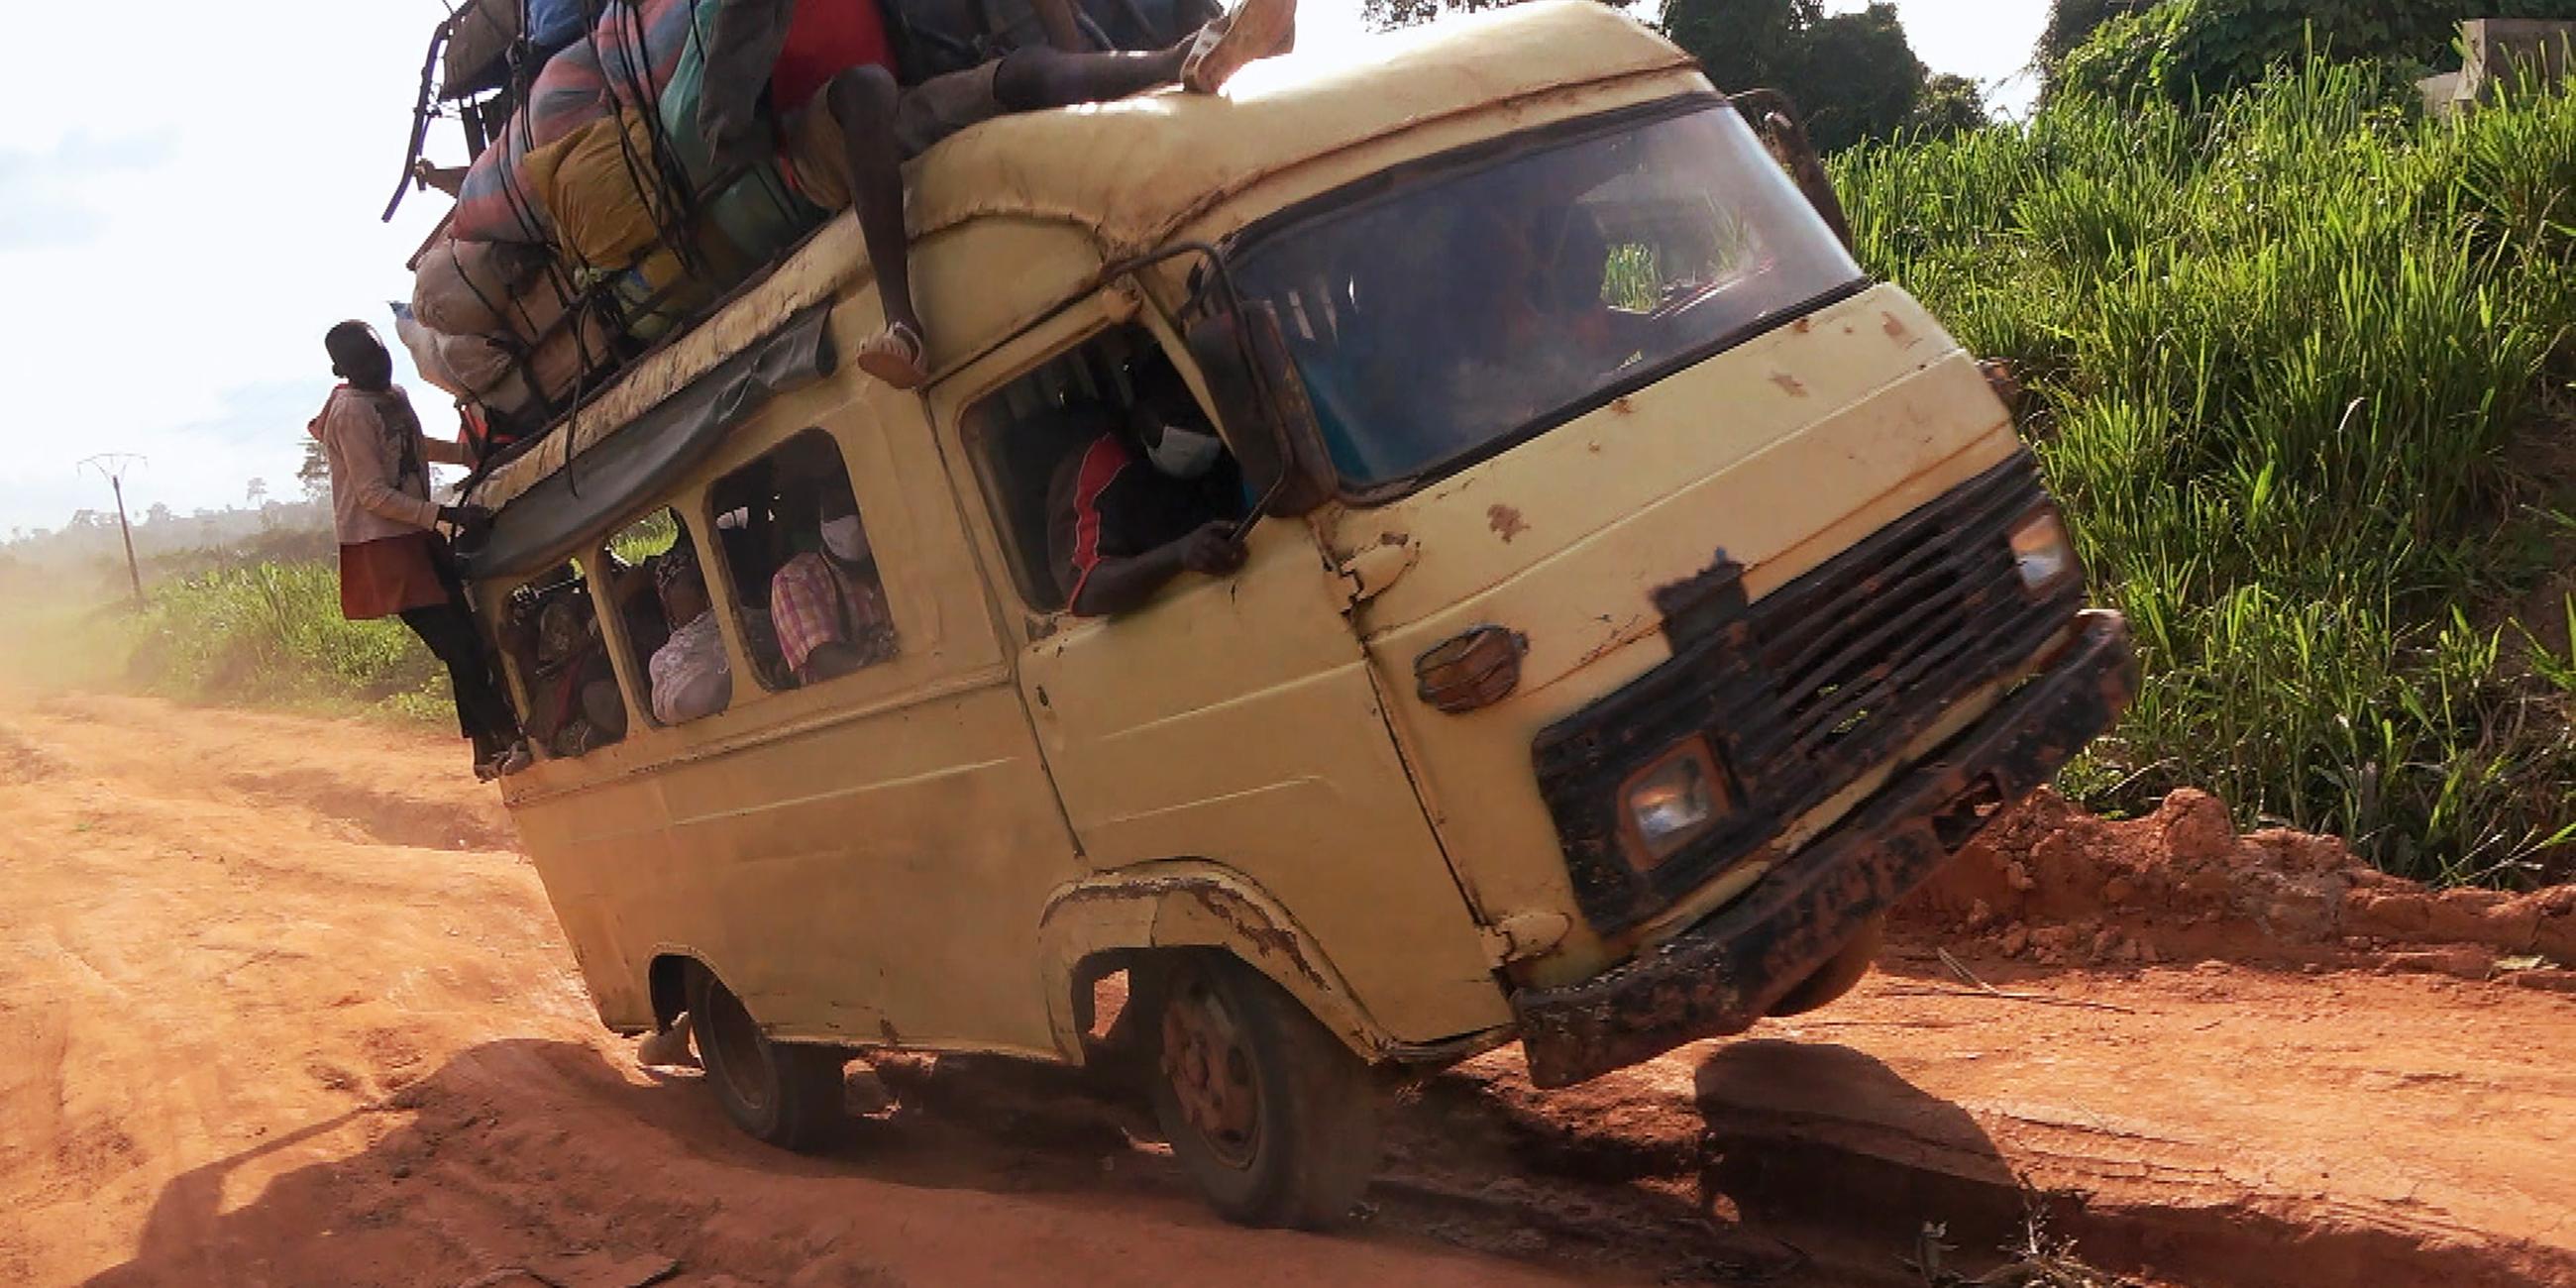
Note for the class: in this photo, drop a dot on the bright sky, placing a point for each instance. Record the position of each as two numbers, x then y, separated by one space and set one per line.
189 196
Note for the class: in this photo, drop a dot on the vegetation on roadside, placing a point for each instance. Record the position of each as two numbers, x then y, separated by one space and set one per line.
271 632
2299 362
2183 50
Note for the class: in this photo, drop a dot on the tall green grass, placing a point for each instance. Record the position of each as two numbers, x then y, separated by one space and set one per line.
272 633
2297 360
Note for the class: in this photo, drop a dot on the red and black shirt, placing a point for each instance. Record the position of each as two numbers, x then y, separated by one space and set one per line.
1108 502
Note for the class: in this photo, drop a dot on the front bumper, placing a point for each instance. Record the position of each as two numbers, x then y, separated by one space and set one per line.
1724 973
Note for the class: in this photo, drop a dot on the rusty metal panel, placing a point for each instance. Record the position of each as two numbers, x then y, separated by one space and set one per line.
1721 975
1803 691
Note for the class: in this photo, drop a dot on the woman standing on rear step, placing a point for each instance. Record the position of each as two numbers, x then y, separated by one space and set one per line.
393 562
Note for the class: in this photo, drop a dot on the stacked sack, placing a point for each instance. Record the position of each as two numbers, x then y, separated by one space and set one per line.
585 227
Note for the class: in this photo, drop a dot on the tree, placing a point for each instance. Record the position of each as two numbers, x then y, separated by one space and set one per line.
1853 75
2072 22
1950 105
257 493
2180 50
159 513
315 472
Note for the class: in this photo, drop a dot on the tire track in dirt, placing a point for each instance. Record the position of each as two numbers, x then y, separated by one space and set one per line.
273 1030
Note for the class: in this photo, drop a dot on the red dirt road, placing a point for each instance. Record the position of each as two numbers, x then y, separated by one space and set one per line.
285 1009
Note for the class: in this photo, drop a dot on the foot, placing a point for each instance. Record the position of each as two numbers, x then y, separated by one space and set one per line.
668 1049
1253 29
505 762
895 357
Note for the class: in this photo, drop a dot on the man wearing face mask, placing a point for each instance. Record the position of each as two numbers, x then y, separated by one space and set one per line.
1151 498
828 603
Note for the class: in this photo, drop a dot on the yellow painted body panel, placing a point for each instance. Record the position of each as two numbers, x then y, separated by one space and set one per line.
1779 453
928 852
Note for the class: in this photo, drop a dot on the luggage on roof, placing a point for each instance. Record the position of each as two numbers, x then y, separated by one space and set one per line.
482 34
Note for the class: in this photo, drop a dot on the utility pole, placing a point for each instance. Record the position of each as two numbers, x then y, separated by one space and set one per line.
112 466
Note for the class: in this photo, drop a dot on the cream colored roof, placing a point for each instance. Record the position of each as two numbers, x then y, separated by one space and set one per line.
1135 170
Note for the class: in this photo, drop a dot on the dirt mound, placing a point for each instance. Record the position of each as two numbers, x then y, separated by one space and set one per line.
2055 885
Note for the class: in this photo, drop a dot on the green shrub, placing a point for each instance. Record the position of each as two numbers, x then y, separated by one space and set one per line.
269 632
2181 50
2290 356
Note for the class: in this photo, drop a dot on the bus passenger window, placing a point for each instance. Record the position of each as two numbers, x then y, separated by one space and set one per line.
811 569
553 642
670 622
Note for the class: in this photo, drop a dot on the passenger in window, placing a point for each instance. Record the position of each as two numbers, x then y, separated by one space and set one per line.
1151 497
828 603
577 704
690 674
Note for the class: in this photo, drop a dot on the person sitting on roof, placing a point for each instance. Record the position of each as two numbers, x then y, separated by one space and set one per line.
691 676
828 602
1154 495
850 125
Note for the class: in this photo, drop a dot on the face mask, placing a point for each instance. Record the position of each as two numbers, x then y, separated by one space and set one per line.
1185 453
847 541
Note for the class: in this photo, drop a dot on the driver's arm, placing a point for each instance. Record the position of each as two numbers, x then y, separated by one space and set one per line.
1113 586
1084 538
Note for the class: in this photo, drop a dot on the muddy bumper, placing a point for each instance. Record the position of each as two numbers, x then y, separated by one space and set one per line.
1724 973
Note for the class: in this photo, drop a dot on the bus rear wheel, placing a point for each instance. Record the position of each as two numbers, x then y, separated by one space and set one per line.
779 1093
1272 1117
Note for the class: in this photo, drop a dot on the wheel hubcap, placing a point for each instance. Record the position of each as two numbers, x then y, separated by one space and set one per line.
1209 1068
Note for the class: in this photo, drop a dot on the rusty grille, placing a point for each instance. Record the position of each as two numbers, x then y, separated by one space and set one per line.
1821 681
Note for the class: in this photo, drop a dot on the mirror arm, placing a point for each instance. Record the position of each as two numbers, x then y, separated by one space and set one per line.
1796 153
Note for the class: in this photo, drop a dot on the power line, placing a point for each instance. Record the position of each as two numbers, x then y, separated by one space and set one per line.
112 467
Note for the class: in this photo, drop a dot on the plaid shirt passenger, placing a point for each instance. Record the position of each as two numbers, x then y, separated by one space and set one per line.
811 603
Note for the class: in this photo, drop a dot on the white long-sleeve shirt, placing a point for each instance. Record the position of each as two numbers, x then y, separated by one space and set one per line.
379 463
690 674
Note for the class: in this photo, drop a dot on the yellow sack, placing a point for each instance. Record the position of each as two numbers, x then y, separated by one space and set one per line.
603 188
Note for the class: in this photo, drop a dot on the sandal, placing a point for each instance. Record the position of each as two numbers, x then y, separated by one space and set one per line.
1252 29
895 357
505 762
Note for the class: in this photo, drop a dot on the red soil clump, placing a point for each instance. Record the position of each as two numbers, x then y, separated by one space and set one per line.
2054 885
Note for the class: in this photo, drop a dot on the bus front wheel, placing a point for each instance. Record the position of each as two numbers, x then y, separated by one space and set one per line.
780 1093
1273 1118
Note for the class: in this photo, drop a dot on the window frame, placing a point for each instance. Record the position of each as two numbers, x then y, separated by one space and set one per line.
732 589
516 676
635 670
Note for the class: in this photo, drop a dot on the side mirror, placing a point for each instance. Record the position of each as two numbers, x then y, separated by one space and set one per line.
1785 135
1244 356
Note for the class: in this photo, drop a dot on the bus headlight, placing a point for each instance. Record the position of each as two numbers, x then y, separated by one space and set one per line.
2043 554
1671 803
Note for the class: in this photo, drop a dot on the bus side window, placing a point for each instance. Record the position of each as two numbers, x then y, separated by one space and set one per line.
553 641
804 576
1026 436
661 592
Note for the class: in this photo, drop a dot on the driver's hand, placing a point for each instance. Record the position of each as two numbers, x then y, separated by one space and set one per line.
1214 550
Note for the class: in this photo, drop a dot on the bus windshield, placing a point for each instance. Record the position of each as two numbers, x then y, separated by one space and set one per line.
1454 314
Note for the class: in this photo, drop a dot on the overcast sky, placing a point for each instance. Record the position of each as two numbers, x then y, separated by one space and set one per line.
189 196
